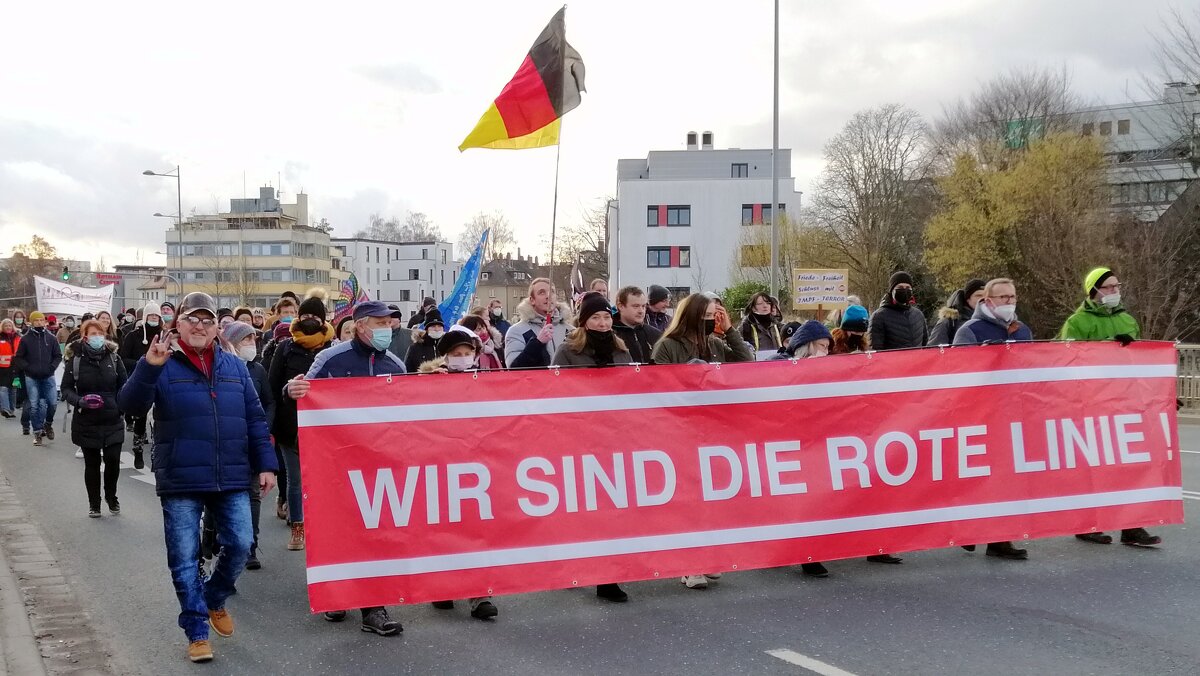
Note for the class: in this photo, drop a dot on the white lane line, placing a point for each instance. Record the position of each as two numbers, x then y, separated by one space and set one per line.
1192 452
814 665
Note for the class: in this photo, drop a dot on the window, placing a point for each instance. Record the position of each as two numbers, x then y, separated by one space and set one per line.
1122 127
747 214
1106 128
739 170
1089 128
679 292
368 254
443 256
658 257
766 212
651 215
685 256
414 275
485 276
520 276
389 255
443 273
679 216
424 254
405 295
376 254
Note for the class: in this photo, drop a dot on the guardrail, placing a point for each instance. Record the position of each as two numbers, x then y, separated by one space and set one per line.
1188 382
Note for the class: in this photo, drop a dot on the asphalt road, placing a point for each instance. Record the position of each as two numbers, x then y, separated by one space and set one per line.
1072 608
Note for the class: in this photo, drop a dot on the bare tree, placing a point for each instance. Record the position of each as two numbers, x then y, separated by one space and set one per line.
587 237
872 198
416 228
1160 268
500 240
37 257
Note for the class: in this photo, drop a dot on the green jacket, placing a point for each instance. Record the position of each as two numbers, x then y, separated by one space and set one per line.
731 349
1094 321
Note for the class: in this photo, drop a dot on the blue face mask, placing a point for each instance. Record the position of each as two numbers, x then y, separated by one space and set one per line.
96 342
381 338
168 318
152 322
285 320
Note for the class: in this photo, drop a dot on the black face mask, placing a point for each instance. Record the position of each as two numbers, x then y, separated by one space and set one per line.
902 296
309 327
602 344
855 343
710 325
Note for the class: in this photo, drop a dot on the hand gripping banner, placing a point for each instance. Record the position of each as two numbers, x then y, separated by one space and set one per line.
447 486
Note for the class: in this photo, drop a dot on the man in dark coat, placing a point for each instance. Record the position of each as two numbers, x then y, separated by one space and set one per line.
631 326
37 358
897 323
959 309
134 346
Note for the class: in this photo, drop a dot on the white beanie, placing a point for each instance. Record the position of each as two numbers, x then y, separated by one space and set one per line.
151 308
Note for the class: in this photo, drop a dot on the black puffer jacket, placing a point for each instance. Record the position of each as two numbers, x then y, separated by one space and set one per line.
100 372
289 360
639 339
135 345
950 319
419 352
894 327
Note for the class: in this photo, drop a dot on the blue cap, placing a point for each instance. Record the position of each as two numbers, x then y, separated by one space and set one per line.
374 308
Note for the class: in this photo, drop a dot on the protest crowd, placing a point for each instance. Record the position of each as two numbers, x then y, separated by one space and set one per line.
212 392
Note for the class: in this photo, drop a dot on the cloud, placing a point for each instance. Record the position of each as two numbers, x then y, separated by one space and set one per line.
405 78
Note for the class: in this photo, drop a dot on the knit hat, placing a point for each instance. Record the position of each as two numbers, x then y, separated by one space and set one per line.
790 329
898 278
657 294
1095 278
237 332
281 331
152 308
224 312
168 304
855 319
289 294
457 335
971 287
35 315
591 303
434 316
811 330
314 307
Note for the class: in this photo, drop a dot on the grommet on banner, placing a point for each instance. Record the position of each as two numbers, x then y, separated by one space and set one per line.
389 380
637 368
871 355
574 583
555 370
941 349
733 567
810 558
490 592
401 600
475 375
656 573
718 366
951 543
1024 536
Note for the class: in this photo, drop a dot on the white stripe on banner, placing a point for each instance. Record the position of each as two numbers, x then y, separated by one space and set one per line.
751 395
731 536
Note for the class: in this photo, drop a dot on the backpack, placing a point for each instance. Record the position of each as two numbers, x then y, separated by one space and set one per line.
78 359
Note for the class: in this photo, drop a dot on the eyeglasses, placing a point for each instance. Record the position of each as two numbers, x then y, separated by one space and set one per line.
1010 299
207 322
1111 287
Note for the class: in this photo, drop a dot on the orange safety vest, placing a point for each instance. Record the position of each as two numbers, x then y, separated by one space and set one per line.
8 349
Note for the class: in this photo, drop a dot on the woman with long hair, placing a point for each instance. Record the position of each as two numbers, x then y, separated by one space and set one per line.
110 329
759 327
690 336
592 342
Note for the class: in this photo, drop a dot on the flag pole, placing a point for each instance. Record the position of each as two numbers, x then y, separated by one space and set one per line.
554 216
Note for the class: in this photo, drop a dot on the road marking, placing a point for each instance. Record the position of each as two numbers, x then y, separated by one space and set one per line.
143 475
1192 452
817 666
1191 495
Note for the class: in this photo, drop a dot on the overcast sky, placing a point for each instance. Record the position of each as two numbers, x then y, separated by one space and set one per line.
362 104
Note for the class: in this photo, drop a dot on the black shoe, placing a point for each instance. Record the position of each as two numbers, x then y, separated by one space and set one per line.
252 562
139 459
486 610
94 512
25 431
1138 537
376 620
1097 538
335 615
611 592
444 605
884 558
6 414
814 569
1006 550
969 548
49 432
114 506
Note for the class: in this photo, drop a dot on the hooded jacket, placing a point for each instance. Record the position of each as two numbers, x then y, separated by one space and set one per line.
639 339
1096 321
100 372
895 327
985 327
522 349
950 319
760 335
210 431
423 349
38 355
136 344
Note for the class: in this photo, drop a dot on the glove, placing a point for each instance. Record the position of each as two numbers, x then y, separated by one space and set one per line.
17 383
1124 339
91 401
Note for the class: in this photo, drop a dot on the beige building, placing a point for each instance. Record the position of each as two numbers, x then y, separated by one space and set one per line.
253 253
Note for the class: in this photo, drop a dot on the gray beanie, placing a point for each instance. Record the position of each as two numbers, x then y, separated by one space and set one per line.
237 332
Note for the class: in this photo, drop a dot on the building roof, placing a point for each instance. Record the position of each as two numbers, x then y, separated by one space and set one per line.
507 272
154 284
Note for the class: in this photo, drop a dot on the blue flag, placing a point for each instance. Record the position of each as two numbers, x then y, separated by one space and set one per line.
456 306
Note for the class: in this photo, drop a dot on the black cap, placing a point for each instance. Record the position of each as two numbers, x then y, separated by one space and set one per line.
197 301
457 335
971 287
433 317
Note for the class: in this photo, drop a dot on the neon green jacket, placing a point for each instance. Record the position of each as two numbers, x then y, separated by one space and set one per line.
1094 321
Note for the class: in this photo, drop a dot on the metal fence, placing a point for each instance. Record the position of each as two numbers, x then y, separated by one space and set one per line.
1189 376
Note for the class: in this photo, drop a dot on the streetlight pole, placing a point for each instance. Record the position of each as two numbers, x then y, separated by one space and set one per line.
178 219
774 165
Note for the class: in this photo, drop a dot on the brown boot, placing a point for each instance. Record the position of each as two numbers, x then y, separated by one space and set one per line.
200 651
221 622
297 542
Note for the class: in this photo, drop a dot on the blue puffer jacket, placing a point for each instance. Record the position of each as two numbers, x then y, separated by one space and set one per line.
985 328
209 436
354 359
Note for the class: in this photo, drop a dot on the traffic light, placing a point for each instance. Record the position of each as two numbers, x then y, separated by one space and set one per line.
66 274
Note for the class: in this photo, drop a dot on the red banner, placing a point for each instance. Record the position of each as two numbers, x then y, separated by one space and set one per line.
427 487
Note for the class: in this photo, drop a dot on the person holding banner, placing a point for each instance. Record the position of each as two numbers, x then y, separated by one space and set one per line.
1103 317
898 324
37 359
489 358
533 341
425 339
593 342
211 441
366 355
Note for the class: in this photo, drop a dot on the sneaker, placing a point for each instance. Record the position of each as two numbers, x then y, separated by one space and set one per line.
969 548
94 513
884 558
814 569
1138 537
376 620
297 542
221 622
37 439
252 562
200 651
49 431
78 452
713 576
1096 538
611 592
695 581
114 506
486 610
334 615
6 414
444 605
1006 550
139 459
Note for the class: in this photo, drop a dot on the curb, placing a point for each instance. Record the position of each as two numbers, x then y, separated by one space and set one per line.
18 644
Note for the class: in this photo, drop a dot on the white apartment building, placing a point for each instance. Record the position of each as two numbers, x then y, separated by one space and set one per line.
402 273
682 217
1153 148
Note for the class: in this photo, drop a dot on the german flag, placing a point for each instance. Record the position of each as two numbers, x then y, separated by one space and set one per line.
529 110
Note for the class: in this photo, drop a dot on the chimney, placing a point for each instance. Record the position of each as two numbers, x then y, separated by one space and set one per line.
535 261
691 140
302 208
519 253
706 140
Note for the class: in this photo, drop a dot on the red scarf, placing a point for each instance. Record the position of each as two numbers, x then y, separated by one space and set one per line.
201 360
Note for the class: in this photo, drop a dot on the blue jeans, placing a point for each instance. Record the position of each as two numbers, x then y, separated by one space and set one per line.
181 527
295 491
6 398
43 399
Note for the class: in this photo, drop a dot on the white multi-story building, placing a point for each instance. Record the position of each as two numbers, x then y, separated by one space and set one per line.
402 273
683 219
1152 146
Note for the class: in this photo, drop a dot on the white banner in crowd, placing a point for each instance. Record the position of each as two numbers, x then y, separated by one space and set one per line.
64 299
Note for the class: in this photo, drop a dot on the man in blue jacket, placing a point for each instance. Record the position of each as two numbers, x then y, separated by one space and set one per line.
38 356
210 442
365 355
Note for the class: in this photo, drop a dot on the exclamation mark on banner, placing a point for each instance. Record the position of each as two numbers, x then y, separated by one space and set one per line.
1166 427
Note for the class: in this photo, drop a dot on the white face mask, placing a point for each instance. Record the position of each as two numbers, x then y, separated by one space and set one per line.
247 352
1005 313
1111 300
460 363
436 334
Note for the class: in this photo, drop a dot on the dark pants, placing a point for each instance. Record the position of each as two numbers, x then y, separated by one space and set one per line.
139 426
111 455
281 477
